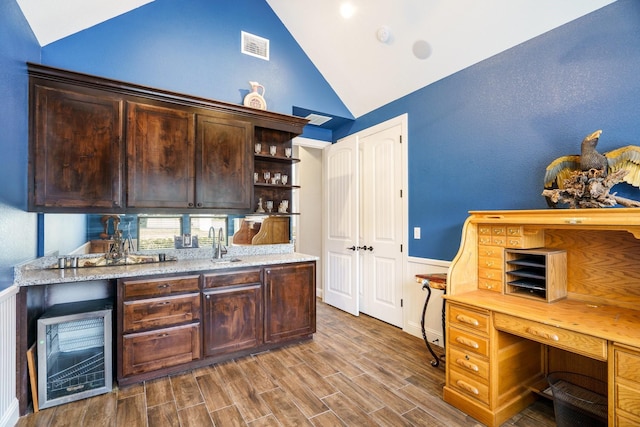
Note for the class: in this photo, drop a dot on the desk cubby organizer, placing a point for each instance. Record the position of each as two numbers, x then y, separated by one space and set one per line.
536 273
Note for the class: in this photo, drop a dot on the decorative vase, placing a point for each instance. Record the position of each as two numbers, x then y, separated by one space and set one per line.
255 99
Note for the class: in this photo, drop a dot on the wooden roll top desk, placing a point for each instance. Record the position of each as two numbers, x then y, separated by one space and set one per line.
503 340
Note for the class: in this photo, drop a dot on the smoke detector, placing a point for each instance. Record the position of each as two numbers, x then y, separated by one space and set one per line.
383 34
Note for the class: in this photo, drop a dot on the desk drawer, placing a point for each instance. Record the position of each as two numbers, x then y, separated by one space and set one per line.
469 386
160 312
468 342
574 342
463 317
472 364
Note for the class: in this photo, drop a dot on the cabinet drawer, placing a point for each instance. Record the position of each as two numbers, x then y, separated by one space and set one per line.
491 252
561 338
151 351
468 362
484 230
469 319
469 386
159 287
160 312
486 262
498 230
469 342
490 285
627 366
490 273
239 277
627 399
514 230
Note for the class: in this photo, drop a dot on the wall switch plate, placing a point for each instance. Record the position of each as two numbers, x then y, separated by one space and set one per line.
416 233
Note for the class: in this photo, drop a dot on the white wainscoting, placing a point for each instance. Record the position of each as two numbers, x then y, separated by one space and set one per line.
414 298
9 410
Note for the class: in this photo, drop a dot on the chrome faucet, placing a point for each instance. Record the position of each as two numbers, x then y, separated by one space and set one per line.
217 251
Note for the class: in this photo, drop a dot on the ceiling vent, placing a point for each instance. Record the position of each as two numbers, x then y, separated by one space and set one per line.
317 119
255 46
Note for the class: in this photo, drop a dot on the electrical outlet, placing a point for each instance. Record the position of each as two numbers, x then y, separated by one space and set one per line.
416 233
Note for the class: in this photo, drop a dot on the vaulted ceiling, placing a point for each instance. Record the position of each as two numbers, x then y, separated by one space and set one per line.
384 50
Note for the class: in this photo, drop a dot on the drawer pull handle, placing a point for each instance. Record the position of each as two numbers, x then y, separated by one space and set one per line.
514 242
542 334
489 263
164 286
163 335
467 342
468 387
467 364
468 320
160 304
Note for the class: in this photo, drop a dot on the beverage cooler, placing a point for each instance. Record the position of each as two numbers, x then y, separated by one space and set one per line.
74 352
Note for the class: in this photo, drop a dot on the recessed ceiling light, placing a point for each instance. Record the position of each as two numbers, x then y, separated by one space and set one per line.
347 10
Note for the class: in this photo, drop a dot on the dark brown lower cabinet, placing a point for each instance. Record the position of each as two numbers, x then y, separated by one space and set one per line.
290 301
232 319
168 324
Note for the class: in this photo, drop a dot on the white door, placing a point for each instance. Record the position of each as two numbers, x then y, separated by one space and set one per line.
381 223
340 225
364 221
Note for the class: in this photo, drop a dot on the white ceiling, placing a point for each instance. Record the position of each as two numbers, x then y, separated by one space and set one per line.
364 72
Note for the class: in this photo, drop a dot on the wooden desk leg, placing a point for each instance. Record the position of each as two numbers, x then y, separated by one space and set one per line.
436 359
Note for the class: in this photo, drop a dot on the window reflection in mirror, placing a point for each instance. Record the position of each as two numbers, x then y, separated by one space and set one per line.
150 232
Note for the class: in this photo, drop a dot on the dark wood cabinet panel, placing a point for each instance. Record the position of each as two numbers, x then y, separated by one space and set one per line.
158 349
160 312
160 153
223 163
75 152
290 302
232 319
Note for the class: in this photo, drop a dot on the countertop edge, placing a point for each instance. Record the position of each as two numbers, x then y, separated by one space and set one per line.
39 277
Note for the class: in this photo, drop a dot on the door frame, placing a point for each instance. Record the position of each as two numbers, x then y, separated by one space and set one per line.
403 121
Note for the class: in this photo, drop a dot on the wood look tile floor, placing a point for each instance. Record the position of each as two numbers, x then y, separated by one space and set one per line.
357 371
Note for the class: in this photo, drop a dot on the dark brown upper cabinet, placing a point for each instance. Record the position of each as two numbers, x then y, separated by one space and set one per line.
75 158
106 146
224 161
160 157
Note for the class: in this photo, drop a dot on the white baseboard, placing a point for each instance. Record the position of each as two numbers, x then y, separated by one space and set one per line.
11 415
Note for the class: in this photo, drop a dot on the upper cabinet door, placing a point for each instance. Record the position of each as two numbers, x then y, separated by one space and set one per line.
160 150
224 163
75 150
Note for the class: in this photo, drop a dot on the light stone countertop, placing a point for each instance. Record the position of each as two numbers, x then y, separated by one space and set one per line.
39 271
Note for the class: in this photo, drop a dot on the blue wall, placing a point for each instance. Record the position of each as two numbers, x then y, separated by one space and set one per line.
482 138
17 227
194 48
479 139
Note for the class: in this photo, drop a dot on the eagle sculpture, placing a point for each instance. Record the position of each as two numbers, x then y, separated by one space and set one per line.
626 159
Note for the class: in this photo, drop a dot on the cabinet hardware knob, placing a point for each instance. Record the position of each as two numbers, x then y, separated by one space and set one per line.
352 248
466 319
468 387
543 334
467 365
164 285
467 342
